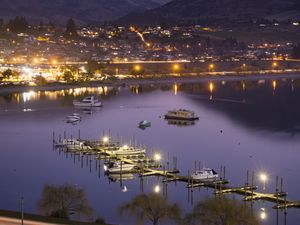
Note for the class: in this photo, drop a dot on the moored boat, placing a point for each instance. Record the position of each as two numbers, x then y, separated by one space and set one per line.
205 174
119 167
89 101
181 114
144 124
127 151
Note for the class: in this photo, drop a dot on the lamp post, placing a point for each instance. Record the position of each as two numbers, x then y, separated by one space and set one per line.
263 177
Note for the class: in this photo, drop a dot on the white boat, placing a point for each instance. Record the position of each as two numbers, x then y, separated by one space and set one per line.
144 124
205 174
89 101
126 151
118 167
74 145
181 114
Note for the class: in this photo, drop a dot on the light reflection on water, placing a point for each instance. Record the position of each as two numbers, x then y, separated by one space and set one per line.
259 120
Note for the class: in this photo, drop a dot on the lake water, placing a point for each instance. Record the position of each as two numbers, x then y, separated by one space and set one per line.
253 125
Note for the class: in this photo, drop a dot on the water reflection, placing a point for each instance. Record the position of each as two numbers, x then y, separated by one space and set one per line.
54 95
180 123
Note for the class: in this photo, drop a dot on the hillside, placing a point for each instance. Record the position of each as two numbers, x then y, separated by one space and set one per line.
83 10
216 10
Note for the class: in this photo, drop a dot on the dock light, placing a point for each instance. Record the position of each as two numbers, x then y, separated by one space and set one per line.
263 214
54 62
105 139
157 157
125 146
148 44
156 189
263 177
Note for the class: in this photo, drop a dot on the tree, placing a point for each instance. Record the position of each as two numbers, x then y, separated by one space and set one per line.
71 30
7 74
152 207
68 76
296 52
40 80
221 211
18 25
64 201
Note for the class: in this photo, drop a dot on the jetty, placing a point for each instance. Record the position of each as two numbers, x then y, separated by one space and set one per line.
148 166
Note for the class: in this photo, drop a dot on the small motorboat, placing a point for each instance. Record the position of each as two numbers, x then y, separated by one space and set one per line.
205 174
144 124
181 114
118 167
89 101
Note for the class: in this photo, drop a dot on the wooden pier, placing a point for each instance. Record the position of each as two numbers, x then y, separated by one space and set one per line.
146 167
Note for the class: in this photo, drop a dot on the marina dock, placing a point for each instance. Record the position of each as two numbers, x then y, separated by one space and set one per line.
147 166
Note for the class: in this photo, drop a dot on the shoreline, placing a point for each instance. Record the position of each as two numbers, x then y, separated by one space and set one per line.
144 81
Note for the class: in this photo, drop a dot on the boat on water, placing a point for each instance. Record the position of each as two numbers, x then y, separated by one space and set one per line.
205 174
181 114
73 118
89 101
144 124
118 167
73 145
128 151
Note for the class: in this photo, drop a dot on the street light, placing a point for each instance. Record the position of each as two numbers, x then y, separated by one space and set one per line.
176 67
105 139
263 177
211 67
157 157
137 68
275 65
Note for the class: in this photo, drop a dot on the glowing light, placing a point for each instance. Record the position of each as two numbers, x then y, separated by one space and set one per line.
105 139
157 157
125 146
137 68
157 189
263 177
275 64
211 67
176 67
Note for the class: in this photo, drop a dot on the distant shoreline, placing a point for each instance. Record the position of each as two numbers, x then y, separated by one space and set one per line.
143 81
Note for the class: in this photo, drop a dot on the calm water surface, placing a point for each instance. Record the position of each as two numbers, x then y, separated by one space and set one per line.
251 125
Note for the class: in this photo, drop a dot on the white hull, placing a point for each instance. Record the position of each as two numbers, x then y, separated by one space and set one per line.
80 104
205 174
125 168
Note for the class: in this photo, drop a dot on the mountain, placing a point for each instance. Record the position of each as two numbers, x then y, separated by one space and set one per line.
81 10
216 10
